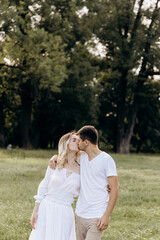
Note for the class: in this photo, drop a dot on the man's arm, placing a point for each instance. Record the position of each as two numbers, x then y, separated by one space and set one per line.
104 220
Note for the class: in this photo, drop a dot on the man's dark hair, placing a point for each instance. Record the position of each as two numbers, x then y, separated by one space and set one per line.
89 133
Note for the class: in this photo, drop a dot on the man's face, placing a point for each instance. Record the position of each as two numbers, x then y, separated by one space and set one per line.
81 145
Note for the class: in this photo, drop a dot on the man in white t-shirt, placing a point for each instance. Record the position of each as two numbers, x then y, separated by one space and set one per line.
97 170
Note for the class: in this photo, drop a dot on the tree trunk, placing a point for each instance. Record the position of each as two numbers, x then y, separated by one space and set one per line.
123 146
124 135
35 140
120 141
2 138
26 114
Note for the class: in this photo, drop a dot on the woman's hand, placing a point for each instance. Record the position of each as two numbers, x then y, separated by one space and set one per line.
33 219
108 188
34 216
53 161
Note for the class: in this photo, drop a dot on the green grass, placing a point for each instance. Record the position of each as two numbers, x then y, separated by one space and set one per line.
136 215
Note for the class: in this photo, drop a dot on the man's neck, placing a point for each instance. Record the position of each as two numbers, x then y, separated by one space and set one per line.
93 151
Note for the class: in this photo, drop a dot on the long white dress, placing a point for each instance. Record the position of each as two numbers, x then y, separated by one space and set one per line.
55 194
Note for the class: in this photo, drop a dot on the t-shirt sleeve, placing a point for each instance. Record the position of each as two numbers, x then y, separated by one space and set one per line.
111 167
81 157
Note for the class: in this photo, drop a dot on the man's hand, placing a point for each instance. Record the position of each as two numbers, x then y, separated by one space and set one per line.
53 161
103 222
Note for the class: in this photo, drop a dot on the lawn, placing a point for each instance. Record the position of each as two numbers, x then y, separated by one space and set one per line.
136 215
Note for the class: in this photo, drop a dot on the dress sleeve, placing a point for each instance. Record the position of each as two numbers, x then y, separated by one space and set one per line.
43 186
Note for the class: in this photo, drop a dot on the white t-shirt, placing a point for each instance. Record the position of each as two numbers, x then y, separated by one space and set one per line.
93 198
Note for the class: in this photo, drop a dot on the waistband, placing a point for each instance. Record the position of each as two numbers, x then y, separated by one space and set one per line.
58 201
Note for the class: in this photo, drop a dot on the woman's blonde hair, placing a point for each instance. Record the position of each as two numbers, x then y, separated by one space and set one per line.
63 148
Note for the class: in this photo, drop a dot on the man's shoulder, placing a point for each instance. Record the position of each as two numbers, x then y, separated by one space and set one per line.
107 157
105 154
83 154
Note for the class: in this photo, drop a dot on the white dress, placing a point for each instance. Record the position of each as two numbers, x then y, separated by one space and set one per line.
55 194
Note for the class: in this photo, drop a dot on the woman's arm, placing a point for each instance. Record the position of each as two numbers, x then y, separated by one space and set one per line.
43 186
34 216
42 190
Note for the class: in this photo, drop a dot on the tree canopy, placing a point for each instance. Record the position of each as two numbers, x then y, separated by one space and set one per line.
54 80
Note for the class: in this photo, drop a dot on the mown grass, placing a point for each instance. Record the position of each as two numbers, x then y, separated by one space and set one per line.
136 215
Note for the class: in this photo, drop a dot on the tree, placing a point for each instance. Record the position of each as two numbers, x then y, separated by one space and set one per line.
146 137
37 56
131 39
45 44
77 103
52 83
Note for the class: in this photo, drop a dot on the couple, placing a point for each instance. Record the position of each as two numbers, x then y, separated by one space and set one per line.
82 169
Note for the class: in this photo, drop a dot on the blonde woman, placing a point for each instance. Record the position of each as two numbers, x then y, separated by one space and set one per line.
53 217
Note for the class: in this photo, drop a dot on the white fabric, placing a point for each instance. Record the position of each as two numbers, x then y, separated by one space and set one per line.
93 198
55 214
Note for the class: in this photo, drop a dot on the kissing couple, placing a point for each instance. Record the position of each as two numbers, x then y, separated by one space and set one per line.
80 169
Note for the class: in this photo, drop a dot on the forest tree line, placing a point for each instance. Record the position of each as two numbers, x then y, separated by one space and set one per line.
53 79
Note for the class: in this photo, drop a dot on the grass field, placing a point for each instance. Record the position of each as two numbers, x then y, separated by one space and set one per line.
136 215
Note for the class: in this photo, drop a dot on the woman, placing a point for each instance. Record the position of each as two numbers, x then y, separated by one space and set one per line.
53 217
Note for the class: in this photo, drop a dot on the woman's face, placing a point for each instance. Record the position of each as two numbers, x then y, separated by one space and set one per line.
73 143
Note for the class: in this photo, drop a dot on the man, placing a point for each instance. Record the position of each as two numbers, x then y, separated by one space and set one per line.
97 170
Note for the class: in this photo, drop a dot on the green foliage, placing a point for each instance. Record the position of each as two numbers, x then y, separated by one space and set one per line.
136 215
52 83
146 136
130 38
37 57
